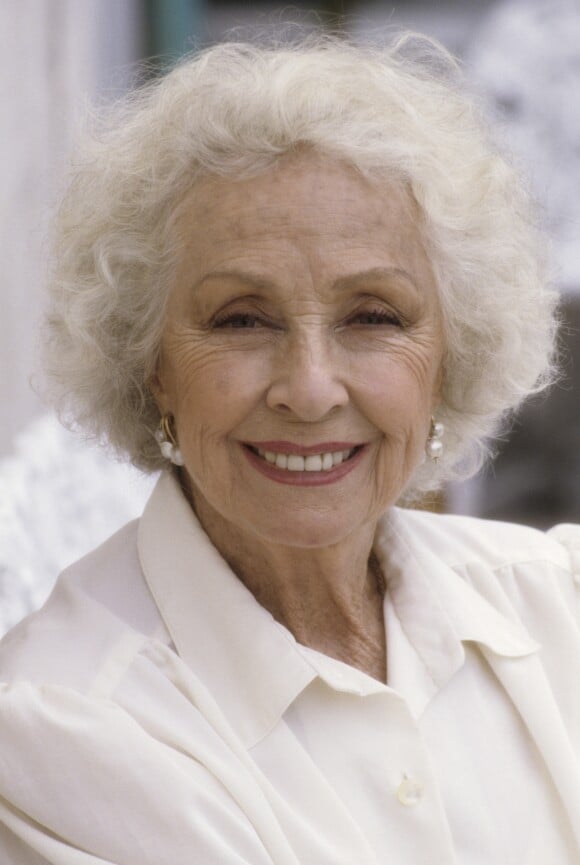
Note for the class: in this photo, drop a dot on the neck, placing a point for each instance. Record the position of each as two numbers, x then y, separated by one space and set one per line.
330 598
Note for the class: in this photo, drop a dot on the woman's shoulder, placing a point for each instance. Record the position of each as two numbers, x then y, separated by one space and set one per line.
95 707
482 572
99 606
463 540
529 575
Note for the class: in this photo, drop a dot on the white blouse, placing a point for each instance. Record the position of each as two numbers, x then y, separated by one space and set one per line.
153 713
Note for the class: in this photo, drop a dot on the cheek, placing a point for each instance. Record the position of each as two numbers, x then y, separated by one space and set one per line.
209 400
399 386
214 389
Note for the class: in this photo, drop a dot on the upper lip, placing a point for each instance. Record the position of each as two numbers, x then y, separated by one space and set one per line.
283 447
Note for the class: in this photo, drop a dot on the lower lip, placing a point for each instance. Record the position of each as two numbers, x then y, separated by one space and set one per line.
304 479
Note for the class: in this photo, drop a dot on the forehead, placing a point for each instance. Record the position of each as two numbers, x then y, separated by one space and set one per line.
313 210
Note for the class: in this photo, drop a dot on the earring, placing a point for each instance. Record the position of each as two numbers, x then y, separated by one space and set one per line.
165 438
434 445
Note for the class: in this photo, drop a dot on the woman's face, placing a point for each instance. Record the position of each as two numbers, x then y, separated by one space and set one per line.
303 327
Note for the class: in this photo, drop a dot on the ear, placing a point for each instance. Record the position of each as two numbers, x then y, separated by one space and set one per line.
156 384
437 398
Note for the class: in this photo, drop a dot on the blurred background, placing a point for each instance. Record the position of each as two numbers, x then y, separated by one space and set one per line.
58 496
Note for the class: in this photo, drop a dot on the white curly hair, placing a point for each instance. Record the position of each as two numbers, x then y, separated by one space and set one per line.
234 109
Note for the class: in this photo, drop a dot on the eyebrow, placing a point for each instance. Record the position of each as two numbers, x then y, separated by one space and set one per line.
377 274
253 280
343 283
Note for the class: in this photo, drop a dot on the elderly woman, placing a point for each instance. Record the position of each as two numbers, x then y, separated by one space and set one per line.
302 283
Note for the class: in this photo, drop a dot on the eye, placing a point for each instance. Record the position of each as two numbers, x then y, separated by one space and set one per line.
239 320
379 316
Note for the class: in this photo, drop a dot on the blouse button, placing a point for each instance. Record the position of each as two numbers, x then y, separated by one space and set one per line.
409 792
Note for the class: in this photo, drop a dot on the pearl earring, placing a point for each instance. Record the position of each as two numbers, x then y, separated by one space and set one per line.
166 440
434 445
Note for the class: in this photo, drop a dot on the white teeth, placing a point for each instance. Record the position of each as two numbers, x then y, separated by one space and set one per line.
326 462
295 463
312 463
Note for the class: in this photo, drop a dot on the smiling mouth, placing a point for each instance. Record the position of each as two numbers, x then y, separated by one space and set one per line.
322 462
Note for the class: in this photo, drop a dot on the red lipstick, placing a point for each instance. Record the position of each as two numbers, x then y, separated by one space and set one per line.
283 447
304 478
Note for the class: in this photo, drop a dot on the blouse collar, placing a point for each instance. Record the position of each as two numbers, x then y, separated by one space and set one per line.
253 665
246 659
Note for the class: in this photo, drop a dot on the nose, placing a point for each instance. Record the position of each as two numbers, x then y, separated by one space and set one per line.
307 381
